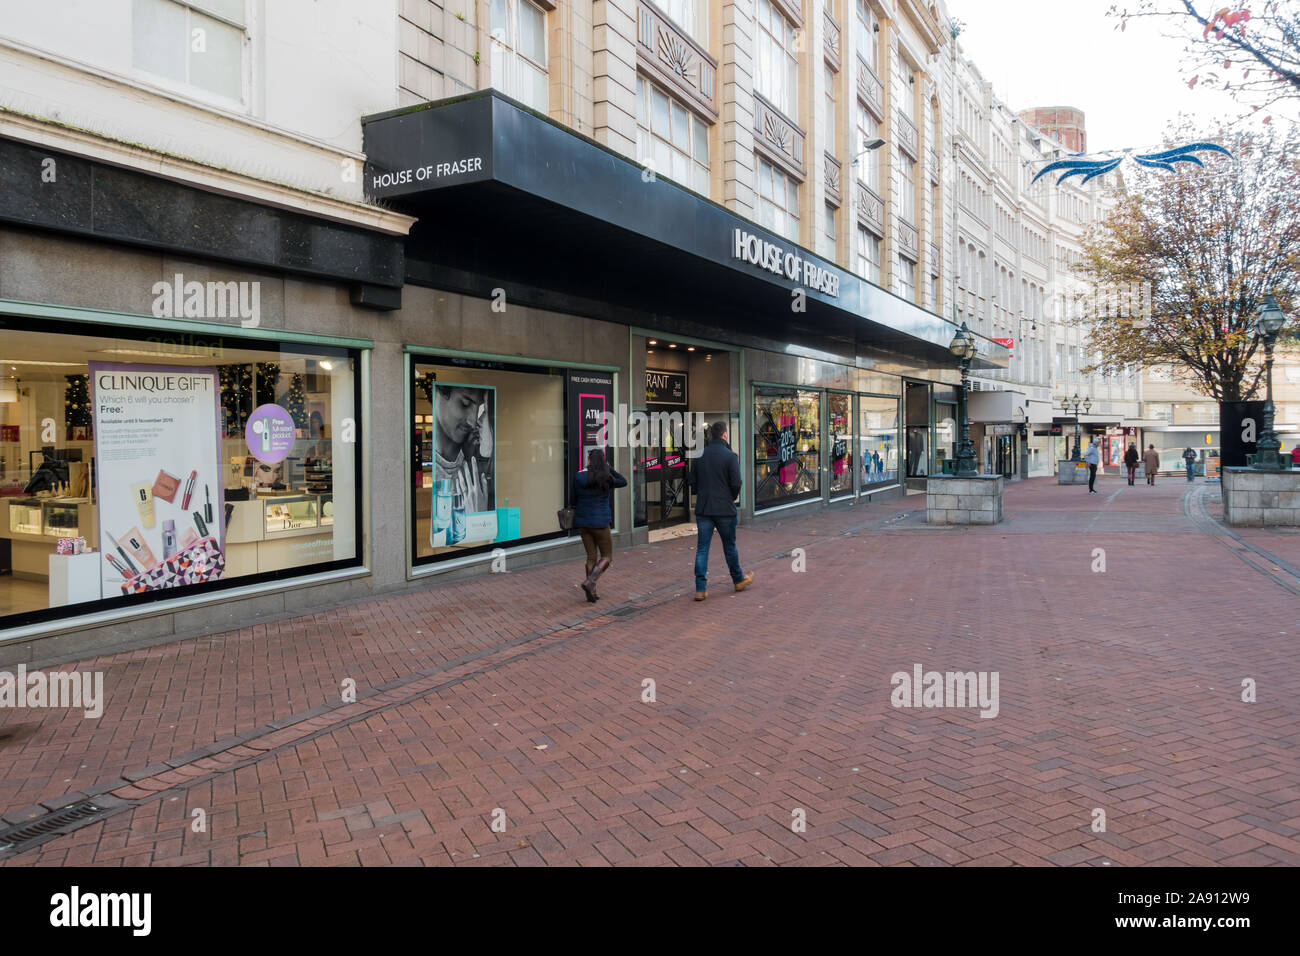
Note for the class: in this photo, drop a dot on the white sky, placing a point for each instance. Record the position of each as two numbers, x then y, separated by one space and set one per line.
1069 53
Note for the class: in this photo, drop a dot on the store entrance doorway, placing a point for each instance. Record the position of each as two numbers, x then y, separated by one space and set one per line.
679 390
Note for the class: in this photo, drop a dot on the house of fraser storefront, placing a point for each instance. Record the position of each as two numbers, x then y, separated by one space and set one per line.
407 405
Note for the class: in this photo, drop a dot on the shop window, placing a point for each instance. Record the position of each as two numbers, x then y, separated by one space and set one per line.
134 468
670 138
199 43
489 443
945 436
776 69
778 201
839 413
787 446
519 65
878 440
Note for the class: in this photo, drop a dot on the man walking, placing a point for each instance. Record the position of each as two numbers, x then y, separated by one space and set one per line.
1092 458
1151 463
715 479
1131 459
1189 456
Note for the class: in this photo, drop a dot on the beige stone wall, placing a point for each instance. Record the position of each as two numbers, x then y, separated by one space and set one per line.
614 74
732 139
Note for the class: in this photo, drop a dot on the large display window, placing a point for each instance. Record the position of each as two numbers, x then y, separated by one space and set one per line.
878 440
787 446
839 421
135 467
489 452
945 437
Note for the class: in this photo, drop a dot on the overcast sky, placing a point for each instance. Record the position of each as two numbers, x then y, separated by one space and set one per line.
1069 53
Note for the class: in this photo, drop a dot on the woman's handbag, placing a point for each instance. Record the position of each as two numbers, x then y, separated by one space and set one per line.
565 516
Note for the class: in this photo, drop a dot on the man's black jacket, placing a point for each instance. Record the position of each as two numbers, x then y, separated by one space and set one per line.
715 477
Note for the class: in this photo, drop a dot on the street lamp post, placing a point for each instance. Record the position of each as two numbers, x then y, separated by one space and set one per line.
1267 326
1071 406
963 347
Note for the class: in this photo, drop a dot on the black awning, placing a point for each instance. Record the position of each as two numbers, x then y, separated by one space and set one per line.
507 198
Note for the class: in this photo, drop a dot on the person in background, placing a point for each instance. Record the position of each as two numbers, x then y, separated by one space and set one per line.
1131 459
593 517
1295 457
1189 456
1151 462
1092 458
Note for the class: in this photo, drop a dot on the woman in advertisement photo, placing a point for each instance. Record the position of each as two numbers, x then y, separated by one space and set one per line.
464 460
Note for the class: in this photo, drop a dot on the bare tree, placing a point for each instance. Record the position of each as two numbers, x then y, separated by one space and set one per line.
1212 242
1250 50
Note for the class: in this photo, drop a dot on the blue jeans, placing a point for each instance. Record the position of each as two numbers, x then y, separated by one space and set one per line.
1191 474
727 532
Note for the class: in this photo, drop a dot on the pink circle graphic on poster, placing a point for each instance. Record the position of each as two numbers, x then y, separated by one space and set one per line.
269 434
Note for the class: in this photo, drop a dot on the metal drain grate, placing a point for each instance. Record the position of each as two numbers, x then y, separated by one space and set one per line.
15 838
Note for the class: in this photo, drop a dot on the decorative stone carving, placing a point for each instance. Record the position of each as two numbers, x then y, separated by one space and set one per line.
672 58
779 138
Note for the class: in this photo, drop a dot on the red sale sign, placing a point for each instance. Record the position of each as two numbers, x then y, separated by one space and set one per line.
1009 343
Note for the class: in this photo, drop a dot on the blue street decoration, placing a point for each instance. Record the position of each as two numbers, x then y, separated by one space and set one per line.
1077 165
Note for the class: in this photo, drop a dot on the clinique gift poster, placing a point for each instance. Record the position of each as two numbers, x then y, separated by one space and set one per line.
157 434
464 485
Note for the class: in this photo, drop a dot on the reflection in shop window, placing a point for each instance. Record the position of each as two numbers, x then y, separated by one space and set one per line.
133 468
839 410
787 446
945 436
878 440
490 453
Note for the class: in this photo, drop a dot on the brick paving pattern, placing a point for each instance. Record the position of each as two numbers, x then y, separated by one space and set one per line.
1119 691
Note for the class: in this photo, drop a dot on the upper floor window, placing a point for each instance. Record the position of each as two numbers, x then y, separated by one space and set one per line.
830 118
868 25
867 161
691 15
907 187
670 138
196 42
519 51
778 201
868 264
776 66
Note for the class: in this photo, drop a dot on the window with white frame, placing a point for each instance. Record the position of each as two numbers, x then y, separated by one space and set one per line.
906 278
828 109
867 45
670 139
868 161
907 187
199 43
778 201
868 264
690 15
776 67
518 57
828 229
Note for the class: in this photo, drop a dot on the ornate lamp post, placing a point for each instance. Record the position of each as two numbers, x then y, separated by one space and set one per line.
1267 326
1072 406
963 347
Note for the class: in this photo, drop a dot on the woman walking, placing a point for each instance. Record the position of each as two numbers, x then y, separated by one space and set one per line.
592 516
1131 459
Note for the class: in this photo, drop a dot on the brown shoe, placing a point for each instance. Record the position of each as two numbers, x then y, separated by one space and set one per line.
701 595
745 582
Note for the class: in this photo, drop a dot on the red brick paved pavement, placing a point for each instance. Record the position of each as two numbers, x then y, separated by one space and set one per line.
1118 690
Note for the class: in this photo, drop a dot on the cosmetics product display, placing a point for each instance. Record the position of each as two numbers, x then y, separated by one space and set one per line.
207 506
117 566
165 487
457 531
200 524
126 560
188 538
134 542
442 501
189 490
143 495
169 538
